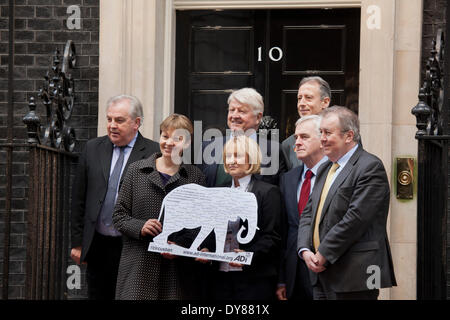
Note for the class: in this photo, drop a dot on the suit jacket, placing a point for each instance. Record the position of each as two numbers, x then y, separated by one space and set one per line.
289 258
210 170
352 227
287 148
91 183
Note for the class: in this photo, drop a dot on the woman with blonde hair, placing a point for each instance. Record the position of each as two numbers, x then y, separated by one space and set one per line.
234 281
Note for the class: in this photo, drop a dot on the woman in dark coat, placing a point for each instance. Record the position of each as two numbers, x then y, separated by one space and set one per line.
145 275
234 281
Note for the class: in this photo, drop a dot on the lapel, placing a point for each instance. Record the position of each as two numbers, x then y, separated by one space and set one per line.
137 153
317 191
105 155
251 185
339 180
291 190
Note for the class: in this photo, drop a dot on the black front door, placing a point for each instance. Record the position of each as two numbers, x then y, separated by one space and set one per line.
269 50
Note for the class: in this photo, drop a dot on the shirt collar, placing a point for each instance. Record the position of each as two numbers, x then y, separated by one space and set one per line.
253 136
315 168
243 182
132 142
344 159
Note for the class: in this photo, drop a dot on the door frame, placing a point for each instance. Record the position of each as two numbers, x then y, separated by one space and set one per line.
377 72
377 66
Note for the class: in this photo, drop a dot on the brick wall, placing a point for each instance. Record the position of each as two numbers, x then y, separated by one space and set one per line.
40 28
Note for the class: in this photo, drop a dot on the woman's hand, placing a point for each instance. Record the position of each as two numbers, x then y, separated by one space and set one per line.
151 228
235 264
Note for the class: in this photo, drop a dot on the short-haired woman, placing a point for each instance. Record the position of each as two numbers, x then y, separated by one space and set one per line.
233 281
145 275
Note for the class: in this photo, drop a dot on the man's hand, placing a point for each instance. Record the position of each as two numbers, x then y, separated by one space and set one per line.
281 292
320 259
312 262
152 227
203 260
75 254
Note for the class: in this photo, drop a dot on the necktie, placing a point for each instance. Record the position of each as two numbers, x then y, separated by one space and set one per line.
304 192
323 196
110 198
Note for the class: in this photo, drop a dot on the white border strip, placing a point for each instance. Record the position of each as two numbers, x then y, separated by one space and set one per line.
266 4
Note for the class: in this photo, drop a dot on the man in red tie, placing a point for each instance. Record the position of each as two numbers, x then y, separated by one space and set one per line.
295 186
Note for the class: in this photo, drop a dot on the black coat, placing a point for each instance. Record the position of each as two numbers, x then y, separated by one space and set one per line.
289 268
91 183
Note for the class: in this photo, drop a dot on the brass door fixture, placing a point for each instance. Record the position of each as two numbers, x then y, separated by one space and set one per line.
405 178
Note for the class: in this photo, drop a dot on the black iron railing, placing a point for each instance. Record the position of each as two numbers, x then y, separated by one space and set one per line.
46 179
432 178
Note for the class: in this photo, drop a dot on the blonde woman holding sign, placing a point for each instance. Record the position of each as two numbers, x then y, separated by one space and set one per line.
234 281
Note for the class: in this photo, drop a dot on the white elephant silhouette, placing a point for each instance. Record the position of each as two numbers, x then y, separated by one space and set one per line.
191 206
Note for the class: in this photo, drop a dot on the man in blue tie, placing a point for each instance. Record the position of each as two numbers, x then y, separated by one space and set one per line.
101 168
295 186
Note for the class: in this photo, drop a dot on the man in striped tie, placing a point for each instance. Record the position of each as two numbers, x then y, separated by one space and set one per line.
295 186
342 232
101 168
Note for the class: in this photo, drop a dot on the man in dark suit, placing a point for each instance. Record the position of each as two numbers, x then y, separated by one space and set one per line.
313 96
295 186
245 111
342 233
101 168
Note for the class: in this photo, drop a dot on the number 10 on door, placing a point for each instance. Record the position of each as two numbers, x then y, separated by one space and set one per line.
275 54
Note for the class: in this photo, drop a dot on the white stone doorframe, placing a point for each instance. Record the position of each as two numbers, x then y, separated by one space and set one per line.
137 56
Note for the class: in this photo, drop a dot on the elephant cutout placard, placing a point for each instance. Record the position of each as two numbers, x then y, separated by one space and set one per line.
192 206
